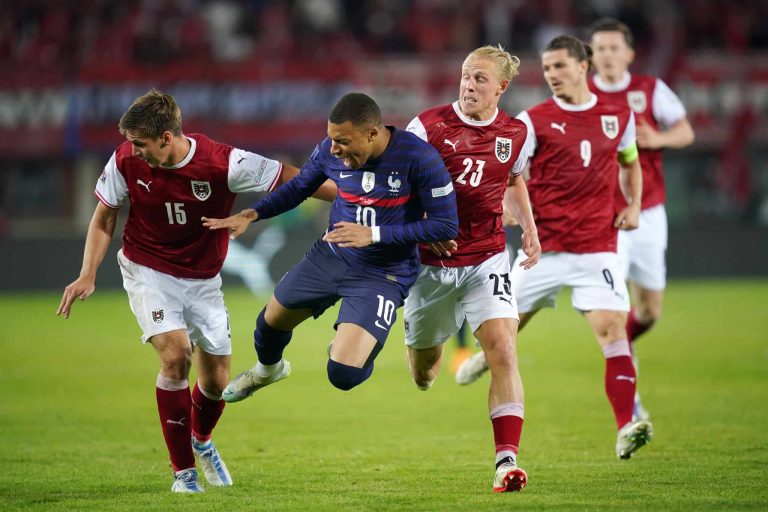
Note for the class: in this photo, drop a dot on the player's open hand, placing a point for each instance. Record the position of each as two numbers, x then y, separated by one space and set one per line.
628 218
349 234
531 247
80 288
236 224
443 249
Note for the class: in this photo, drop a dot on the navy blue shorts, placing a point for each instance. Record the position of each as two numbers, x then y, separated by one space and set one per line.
321 278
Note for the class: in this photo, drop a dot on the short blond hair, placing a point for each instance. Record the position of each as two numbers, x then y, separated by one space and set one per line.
506 63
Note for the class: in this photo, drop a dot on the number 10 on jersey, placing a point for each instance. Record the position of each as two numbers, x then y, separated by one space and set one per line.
365 216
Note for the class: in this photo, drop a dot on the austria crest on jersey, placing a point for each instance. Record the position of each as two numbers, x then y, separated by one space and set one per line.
610 126
637 101
201 189
503 149
158 316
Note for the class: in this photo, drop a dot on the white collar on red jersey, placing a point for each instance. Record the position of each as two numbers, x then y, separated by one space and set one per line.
186 159
467 120
576 108
618 86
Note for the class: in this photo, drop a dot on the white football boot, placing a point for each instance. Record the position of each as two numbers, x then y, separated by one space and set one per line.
248 382
633 436
509 478
471 369
186 482
213 466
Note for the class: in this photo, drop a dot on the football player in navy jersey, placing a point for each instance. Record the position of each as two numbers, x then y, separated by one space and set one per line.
387 181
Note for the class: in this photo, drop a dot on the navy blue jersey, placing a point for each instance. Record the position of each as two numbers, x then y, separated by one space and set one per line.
393 192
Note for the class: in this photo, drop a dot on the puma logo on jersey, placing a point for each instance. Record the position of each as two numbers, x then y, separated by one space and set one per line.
145 185
452 144
241 159
626 377
560 127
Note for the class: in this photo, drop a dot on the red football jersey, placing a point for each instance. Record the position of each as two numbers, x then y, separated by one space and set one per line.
480 156
164 231
574 172
653 102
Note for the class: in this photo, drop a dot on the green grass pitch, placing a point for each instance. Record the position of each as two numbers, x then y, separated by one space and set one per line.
79 427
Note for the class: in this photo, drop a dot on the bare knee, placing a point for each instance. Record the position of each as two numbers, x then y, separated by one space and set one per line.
499 341
175 363
647 310
608 326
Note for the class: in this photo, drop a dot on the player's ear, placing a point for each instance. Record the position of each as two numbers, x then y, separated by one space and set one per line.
166 138
503 86
373 132
630 55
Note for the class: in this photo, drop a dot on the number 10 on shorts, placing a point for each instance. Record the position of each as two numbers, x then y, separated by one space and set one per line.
385 311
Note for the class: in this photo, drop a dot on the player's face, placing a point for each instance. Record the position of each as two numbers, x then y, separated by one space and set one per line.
154 151
352 144
612 55
565 75
480 88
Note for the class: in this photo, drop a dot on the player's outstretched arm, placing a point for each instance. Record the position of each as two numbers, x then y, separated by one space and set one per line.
326 192
100 232
236 224
517 203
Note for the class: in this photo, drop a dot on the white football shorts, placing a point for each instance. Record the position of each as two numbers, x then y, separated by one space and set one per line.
642 251
595 279
442 297
163 303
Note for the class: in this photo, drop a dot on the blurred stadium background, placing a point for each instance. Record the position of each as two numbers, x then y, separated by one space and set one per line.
262 75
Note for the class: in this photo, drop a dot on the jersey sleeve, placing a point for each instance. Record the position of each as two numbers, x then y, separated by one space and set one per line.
629 135
434 186
525 153
417 128
289 195
111 188
667 107
530 139
249 172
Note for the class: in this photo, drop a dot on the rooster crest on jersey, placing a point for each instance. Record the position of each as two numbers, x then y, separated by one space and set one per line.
394 184
610 126
201 189
503 149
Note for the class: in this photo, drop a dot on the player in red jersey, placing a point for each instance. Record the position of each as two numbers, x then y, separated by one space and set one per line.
469 278
170 265
661 123
573 178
